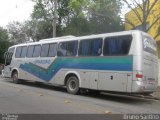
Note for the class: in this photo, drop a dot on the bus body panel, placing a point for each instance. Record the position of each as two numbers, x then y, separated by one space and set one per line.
98 80
93 67
113 81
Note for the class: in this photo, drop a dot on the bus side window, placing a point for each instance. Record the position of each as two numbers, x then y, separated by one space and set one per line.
37 51
117 45
62 49
30 51
91 47
18 52
44 50
96 47
24 51
68 48
85 48
72 48
52 49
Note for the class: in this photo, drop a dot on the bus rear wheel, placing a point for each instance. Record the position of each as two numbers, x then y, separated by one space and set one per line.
72 85
15 78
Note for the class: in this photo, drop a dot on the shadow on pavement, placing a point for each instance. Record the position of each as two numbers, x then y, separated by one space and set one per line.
102 96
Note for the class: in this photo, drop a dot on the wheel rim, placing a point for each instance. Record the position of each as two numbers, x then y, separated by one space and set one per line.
72 85
15 77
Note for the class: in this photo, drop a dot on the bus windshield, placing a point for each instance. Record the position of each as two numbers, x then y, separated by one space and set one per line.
8 55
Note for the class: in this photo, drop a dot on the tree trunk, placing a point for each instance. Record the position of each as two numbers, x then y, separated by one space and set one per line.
54 19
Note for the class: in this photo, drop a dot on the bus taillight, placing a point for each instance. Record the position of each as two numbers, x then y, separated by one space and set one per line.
139 75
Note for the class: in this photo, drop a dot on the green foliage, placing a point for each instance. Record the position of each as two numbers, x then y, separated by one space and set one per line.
79 17
44 30
80 7
43 15
39 11
74 17
78 26
3 34
4 43
16 32
104 16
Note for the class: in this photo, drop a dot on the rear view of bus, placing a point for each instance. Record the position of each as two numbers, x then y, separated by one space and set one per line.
145 65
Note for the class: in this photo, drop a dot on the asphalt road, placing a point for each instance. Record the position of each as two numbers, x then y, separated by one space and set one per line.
32 98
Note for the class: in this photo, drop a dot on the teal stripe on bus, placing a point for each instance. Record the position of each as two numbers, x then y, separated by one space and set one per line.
121 63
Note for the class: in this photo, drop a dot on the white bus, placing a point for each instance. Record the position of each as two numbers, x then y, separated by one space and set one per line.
123 62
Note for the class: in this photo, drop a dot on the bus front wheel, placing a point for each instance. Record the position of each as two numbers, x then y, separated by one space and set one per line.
72 85
15 78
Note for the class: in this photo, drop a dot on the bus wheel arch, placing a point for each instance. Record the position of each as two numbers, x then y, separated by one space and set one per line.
72 83
15 76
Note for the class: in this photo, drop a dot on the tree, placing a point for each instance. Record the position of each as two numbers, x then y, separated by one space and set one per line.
105 16
142 10
44 13
3 35
97 16
78 26
40 29
52 11
4 43
17 33
76 17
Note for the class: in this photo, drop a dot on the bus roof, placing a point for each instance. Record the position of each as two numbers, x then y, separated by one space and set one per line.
72 38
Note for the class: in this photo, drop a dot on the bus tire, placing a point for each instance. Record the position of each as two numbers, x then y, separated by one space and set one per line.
15 78
72 85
